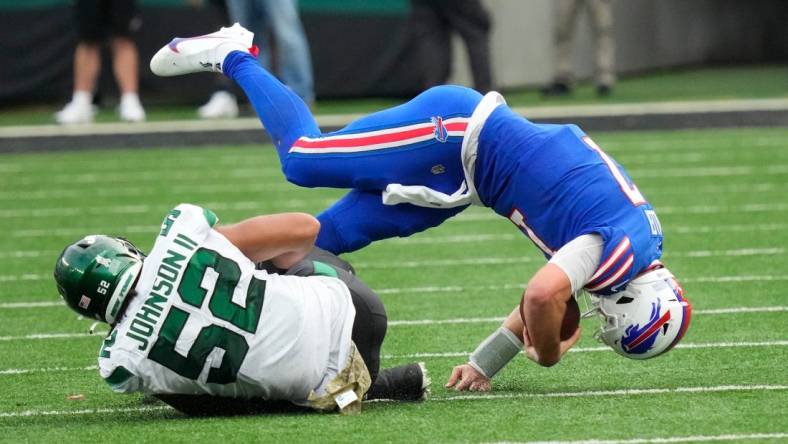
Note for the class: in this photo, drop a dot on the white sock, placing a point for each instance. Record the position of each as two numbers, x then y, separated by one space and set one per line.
82 97
129 97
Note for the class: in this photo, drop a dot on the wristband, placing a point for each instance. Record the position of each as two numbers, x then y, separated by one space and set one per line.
495 352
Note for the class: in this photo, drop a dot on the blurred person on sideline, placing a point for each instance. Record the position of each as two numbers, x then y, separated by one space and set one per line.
293 60
602 22
222 104
97 21
433 23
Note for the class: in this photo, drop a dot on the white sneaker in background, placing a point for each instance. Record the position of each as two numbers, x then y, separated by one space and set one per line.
130 108
221 105
201 53
79 110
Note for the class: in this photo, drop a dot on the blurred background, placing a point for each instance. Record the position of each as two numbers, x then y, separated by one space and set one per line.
370 48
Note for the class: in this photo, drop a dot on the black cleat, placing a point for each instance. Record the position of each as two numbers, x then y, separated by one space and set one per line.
408 382
603 90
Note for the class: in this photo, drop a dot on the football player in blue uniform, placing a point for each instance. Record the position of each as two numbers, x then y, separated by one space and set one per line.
413 166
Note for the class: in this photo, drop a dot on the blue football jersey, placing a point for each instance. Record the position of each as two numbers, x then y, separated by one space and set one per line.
555 184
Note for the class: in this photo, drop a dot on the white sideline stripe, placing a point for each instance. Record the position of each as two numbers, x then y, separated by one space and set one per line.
603 349
666 440
29 413
490 260
24 371
251 123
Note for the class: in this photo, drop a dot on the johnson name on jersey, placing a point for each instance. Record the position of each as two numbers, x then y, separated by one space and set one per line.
205 321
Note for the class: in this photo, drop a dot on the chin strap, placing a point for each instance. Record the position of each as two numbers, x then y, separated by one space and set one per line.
92 329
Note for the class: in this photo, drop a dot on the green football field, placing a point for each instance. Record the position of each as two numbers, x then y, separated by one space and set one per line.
721 197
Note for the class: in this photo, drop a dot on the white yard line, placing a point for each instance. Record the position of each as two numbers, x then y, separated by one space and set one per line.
476 261
500 287
24 371
710 171
622 392
33 413
712 311
709 345
699 345
147 209
666 440
469 397
428 239
460 288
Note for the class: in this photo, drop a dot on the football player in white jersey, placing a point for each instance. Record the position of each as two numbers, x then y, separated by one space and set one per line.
199 325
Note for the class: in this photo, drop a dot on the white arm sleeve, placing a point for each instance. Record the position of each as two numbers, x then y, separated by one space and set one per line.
579 259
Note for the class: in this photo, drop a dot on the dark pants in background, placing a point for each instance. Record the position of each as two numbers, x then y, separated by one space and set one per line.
434 21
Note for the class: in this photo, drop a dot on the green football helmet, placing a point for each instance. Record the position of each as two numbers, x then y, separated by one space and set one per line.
95 275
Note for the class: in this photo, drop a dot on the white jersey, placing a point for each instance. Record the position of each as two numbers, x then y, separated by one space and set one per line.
205 321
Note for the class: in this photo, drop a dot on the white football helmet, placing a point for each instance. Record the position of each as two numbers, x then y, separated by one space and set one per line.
646 319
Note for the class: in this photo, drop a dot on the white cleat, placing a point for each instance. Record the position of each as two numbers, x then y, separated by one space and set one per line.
203 53
76 113
130 109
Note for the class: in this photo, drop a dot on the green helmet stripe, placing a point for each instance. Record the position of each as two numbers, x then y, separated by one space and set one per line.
121 291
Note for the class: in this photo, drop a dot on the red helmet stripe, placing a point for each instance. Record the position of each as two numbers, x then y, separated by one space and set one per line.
645 335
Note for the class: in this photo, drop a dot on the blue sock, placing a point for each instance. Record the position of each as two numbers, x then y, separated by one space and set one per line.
284 115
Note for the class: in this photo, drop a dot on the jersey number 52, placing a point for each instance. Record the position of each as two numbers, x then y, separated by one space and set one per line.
222 275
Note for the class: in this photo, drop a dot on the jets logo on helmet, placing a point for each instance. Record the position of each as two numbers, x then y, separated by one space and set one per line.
96 274
646 319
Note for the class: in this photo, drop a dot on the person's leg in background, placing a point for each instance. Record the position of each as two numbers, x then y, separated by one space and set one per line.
250 15
433 42
564 32
472 22
294 60
223 103
602 18
87 63
125 59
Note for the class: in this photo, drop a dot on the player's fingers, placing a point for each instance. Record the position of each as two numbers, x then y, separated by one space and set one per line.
464 384
455 376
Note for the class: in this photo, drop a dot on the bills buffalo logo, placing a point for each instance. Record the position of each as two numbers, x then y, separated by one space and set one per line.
637 339
441 133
